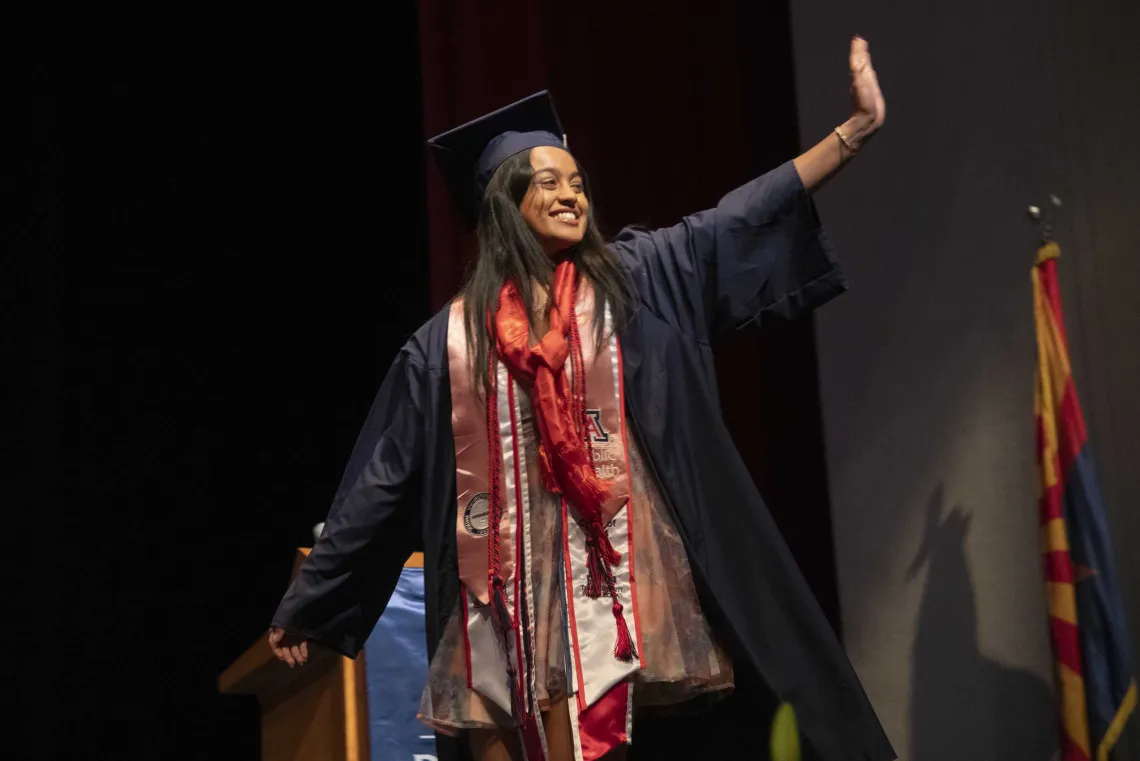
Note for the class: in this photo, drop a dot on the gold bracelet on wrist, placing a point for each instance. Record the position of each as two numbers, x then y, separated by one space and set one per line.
843 139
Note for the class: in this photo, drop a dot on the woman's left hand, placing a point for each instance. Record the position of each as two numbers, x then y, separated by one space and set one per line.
869 108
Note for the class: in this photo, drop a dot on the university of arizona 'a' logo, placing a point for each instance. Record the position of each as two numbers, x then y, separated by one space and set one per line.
598 433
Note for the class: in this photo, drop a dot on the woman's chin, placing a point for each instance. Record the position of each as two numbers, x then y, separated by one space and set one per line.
557 246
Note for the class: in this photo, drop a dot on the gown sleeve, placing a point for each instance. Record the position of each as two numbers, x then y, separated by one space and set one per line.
760 254
372 526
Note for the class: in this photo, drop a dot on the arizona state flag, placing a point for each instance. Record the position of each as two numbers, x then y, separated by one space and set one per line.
1086 613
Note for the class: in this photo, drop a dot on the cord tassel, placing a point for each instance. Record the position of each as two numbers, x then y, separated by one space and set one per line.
624 650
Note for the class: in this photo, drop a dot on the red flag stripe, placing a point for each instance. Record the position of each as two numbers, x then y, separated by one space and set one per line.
1071 431
1052 292
1073 751
1052 504
1066 644
1058 567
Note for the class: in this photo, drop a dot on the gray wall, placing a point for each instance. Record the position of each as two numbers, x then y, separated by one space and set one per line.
926 366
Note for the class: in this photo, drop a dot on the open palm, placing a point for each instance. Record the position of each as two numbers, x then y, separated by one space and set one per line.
866 97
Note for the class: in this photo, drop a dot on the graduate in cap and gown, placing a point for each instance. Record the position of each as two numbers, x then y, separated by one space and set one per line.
595 548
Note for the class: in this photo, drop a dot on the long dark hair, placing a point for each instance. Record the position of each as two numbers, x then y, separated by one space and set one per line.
508 250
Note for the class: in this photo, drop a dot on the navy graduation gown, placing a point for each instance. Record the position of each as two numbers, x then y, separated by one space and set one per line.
759 255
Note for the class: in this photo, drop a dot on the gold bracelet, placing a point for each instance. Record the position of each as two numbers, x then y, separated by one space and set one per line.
843 139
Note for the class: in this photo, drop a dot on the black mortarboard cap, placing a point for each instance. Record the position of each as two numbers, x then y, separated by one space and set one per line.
468 155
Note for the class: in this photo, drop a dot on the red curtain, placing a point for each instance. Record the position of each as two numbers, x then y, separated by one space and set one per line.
475 56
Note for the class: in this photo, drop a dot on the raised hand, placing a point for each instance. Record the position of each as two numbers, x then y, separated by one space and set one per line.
819 163
869 110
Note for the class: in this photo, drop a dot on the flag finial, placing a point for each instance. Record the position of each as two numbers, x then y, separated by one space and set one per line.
1039 216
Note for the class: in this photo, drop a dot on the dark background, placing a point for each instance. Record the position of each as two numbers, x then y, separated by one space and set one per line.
214 253
926 365
214 250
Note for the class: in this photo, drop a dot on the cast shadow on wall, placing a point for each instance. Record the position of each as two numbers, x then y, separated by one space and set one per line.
963 704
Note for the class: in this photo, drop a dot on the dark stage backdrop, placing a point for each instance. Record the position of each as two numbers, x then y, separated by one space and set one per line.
214 256
927 365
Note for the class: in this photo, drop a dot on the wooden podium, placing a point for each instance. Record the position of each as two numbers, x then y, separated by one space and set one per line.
318 711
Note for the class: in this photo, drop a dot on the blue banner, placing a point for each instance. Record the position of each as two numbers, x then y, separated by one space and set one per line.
396 664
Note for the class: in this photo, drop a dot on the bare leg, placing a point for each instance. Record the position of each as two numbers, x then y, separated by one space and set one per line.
504 745
495 745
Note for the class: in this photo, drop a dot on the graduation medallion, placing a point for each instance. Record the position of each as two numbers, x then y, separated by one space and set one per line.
476 514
